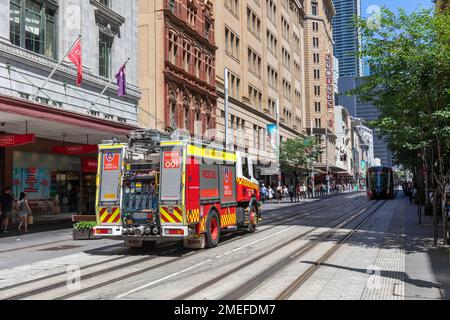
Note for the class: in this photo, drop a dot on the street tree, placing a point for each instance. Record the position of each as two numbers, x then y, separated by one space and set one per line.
409 60
296 155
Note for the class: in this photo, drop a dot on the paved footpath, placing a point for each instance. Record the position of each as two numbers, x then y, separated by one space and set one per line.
392 257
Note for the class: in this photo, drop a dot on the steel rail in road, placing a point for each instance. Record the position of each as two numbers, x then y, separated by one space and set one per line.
298 283
228 238
293 206
257 280
171 248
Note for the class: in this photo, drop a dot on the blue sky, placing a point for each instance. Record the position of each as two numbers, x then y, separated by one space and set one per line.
408 5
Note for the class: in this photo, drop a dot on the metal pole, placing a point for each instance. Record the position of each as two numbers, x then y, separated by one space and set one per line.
56 68
312 165
226 93
326 146
107 86
278 142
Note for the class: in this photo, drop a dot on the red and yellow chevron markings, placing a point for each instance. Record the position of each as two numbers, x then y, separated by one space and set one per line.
171 216
246 183
193 216
109 216
228 219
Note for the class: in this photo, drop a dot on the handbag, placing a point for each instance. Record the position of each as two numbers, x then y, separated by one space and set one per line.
30 220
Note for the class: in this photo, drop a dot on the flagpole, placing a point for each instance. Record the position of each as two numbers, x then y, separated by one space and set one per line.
56 68
107 86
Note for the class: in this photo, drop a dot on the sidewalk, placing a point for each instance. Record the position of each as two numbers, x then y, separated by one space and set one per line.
423 260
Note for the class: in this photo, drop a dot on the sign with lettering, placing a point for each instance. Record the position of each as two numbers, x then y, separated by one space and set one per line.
330 81
90 165
15 140
76 150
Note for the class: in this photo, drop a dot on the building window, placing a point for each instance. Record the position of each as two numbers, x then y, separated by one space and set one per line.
209 70
106 3
173 47
32 26
316 57
315 26
198 63
186 56
233 6
317 90
105 46
315 42
314 9
317 74
232 43
192 15
317 106
318 123
172 6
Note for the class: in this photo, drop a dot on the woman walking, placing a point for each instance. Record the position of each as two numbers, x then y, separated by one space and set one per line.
24 212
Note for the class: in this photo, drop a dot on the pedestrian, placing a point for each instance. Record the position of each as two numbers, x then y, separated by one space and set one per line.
291 192
24 212
263 193
6 200
271 193
279 193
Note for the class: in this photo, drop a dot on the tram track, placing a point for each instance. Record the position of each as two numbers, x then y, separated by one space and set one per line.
257 280
287 208
301 279
171 248
227 238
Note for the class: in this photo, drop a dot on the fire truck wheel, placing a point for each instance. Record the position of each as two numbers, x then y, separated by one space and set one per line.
212 230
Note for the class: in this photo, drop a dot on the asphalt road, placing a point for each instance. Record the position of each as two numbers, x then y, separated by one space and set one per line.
339 248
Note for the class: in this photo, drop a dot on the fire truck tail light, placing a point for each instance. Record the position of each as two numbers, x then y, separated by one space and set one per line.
103 231
174 232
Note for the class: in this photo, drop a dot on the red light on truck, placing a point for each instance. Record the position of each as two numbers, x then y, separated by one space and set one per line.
175 231
103 231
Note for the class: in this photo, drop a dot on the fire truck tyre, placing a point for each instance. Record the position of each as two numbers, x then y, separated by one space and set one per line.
212 230
252 225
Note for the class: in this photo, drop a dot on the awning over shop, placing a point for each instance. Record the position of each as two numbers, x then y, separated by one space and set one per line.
19 116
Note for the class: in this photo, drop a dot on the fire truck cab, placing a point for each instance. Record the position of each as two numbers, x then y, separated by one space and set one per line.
155 189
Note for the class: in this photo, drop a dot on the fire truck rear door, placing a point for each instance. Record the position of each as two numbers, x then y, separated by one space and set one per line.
109 185
171 185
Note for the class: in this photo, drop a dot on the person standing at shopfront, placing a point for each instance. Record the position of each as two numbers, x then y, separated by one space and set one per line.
24 212
6 200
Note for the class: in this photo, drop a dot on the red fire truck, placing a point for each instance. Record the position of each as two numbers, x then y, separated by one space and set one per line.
154 189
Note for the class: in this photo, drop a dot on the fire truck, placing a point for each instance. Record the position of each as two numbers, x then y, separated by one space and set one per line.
155 188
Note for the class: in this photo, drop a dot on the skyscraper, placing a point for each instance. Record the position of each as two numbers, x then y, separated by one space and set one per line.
347 38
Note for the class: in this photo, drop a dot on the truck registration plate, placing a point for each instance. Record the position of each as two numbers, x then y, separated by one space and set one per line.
139 216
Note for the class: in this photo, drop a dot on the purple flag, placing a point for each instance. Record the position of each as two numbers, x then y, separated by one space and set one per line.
121 82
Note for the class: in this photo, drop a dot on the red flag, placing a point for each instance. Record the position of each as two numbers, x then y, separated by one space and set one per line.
75 56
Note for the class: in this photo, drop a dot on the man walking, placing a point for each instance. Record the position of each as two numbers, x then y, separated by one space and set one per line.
263 193
6 201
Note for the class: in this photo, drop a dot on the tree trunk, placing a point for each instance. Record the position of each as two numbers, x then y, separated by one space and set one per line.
434 204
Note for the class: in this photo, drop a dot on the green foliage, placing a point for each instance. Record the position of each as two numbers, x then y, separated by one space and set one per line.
85 225
409 59
296 154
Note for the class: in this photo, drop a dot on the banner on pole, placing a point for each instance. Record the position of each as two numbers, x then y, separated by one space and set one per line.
272 135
